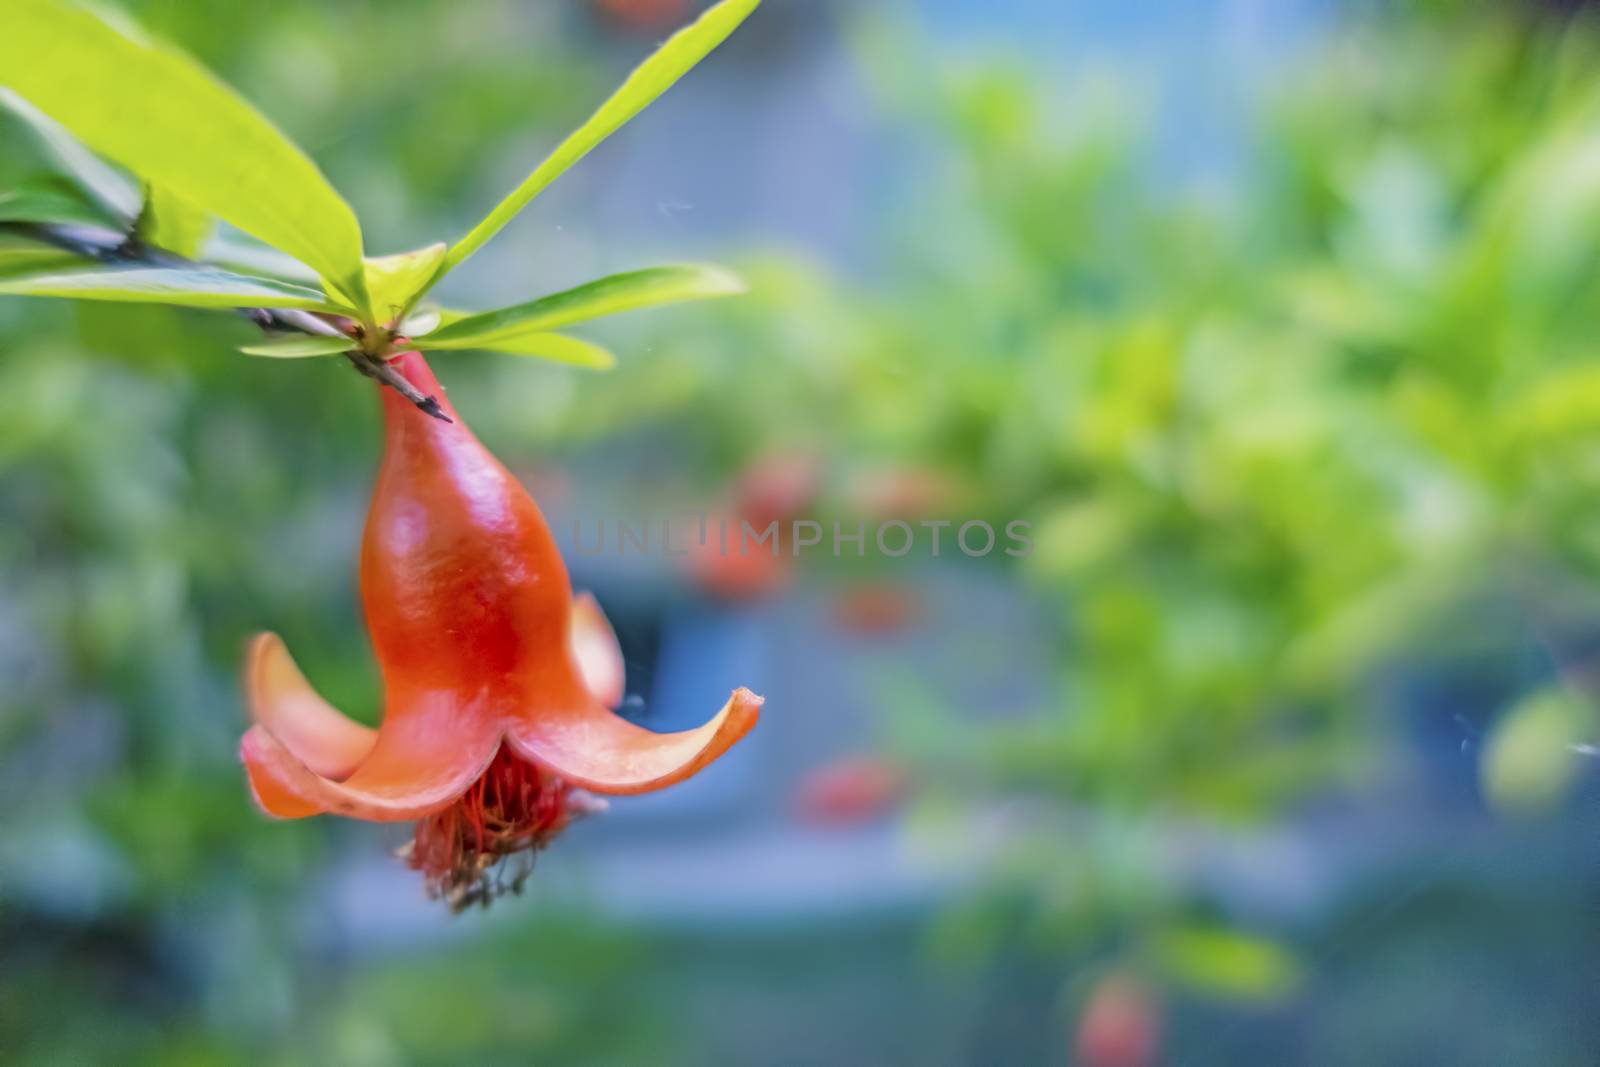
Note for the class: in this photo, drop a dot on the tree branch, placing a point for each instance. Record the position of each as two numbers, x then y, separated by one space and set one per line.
108 246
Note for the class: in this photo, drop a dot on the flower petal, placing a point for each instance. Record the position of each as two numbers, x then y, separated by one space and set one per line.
599 750
426 757
282 701
595 647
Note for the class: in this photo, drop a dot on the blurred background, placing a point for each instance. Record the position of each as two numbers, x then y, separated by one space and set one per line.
1276 320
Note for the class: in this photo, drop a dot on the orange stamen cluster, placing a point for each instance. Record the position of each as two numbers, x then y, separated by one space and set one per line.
483 845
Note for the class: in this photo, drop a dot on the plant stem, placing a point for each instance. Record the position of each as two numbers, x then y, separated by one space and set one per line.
109 246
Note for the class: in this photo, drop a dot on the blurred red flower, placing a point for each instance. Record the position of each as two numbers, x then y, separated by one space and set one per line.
1120 1025
850 790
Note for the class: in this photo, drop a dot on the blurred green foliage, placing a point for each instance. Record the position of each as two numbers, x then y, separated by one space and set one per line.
1277 442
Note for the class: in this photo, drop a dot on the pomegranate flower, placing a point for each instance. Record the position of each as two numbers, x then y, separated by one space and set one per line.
498 683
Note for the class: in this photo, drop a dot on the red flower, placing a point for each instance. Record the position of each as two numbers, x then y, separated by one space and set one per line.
852 789
643 14
498 683
729 563
1120 1025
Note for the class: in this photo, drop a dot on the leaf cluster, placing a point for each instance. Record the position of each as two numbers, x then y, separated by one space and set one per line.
158 151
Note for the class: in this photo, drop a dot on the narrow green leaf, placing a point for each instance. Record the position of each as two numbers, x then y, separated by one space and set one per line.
650 287
392 281
118 196
27 257
236 251
299 347
428 318
422 322
1227 963
553 346
1529 762
164 117
204 288
169 222
649 80
53 200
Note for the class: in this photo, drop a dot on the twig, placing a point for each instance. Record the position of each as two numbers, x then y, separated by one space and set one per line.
109 246
380 371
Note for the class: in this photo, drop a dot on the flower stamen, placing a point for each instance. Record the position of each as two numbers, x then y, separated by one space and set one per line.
483 845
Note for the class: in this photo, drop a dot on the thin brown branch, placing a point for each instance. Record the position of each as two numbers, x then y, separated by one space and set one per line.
108 246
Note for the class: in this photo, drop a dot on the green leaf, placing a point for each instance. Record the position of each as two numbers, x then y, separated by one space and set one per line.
1563 402
1227 963
169 222
649 80
52 200
1531 759
605 296
112 190
428 318
552 346
299 347
393 281
164 117
240 252
422 322
19 257
206 288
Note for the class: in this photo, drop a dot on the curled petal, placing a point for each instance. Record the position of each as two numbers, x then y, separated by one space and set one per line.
599 750
283 702
595 647
426 756
262 755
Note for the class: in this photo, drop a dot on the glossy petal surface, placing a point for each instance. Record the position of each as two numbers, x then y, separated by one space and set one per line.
420 764
479 640
599 750
594 644
283 702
